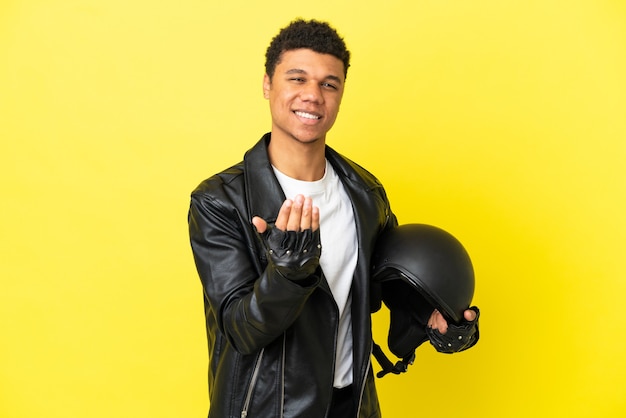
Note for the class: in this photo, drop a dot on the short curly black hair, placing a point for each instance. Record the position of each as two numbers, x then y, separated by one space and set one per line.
312 34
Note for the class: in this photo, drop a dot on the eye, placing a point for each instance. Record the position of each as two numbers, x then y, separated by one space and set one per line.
329 86
297 79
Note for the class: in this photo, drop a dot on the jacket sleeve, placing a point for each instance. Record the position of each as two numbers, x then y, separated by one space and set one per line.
253 305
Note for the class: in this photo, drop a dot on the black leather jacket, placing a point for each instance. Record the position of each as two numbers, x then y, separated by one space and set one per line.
271 341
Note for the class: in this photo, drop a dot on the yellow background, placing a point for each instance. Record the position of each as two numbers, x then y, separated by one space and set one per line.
503 122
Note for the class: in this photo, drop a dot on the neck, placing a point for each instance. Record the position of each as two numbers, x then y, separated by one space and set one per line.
300 161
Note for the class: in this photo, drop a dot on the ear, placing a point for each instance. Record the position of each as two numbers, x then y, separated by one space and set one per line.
267 84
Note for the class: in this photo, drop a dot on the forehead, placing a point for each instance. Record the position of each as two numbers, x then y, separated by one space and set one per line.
310 62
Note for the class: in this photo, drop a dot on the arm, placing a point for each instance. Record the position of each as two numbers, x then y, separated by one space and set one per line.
253 303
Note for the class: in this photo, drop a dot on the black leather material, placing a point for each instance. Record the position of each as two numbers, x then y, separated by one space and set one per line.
458 337
294 254
258 320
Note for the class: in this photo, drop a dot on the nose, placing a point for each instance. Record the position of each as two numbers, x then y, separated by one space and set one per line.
312 92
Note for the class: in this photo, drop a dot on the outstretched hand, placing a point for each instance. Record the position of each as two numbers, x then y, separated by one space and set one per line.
293 242
297 215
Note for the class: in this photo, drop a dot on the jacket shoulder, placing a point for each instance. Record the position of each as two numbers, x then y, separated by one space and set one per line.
221 194
217 183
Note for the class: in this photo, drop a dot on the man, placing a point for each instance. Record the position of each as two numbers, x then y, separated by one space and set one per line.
282 242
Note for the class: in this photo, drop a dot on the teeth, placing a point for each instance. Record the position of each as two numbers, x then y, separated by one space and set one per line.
307 115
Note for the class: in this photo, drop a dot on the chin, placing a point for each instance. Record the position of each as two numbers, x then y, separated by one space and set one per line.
308 139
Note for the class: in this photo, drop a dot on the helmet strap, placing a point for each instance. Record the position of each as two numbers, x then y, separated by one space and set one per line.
401 366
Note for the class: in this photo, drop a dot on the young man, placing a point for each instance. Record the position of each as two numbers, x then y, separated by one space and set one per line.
282 242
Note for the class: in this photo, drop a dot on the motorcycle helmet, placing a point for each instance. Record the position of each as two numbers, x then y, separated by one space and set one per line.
429 260
419 268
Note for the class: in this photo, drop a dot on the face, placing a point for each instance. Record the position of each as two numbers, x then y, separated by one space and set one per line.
304 95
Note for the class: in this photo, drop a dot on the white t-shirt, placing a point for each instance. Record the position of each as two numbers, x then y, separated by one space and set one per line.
339 253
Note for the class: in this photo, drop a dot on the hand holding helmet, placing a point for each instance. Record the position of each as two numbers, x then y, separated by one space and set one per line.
453 338
426 279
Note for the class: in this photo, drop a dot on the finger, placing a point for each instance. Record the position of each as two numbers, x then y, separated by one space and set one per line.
469 315
431 319
293 224
307 214
259 224
438 322
283 215
315 218
442 324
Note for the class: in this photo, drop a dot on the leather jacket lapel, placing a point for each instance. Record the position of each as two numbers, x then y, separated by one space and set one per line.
263 192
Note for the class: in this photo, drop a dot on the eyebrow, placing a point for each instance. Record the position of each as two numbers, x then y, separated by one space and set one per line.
301 71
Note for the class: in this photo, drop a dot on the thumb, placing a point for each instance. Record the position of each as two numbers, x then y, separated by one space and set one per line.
469 315
259 224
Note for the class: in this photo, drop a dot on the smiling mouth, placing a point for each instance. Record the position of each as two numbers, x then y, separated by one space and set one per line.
307 115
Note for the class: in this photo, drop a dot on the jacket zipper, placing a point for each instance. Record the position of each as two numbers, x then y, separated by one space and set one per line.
369 364
335 357
255 375
282 377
